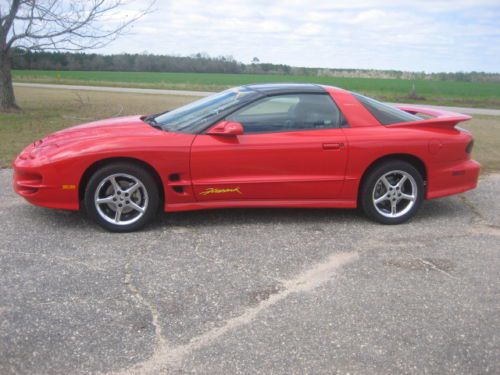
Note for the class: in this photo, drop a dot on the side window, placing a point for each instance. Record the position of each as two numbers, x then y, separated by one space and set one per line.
292 112
272 106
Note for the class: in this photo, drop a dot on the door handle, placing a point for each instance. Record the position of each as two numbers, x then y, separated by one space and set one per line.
332 146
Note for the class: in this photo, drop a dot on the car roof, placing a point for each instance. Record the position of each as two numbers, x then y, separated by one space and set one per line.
286 88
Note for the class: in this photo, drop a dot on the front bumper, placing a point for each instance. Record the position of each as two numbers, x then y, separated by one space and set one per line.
47 185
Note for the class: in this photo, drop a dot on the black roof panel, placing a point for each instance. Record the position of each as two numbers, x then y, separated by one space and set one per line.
286 88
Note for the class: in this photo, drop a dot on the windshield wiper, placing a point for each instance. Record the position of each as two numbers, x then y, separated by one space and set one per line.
151 121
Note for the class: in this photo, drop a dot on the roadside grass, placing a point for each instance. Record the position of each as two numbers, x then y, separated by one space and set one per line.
47 110
431 92
486 132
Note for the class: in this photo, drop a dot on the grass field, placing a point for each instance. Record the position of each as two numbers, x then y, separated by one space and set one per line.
47 110
433 92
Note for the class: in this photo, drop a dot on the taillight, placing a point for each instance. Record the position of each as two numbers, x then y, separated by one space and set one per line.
469 147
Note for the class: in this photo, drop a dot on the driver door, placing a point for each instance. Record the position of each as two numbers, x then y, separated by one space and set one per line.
292 148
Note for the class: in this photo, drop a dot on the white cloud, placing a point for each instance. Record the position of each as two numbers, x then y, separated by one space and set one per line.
431 35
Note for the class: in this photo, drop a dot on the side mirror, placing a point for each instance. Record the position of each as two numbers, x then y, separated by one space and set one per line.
226 128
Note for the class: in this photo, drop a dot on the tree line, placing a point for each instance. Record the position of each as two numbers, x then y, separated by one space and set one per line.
198 63
203 63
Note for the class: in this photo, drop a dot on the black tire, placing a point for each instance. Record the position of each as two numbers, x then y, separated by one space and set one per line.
372 182
147 196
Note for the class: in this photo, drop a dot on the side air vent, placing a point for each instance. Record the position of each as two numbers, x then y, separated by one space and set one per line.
178 184
178 189
174 177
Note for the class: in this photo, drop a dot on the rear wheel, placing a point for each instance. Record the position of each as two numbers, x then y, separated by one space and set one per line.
121 197
392 192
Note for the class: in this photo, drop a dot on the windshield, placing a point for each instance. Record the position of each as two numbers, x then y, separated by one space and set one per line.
194 116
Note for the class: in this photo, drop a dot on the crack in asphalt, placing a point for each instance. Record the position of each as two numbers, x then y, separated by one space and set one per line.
435 267
135 292
166 358
479 224
161 342
425 240
477 218
72 262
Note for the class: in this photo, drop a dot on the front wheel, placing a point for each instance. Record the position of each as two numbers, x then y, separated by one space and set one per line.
392 192
121 197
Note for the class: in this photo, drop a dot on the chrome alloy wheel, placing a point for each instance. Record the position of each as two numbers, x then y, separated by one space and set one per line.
394 194
121 199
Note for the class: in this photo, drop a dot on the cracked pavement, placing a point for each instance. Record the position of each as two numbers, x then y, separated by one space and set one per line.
271 291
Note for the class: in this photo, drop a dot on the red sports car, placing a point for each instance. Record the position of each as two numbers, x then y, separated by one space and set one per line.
267 145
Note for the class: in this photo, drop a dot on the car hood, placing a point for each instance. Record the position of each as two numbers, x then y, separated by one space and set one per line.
115 127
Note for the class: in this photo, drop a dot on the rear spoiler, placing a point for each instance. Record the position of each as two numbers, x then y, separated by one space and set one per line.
439 118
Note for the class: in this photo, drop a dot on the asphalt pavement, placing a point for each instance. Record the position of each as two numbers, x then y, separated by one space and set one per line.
252 291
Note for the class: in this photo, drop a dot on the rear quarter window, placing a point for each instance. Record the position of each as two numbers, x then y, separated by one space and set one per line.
385 113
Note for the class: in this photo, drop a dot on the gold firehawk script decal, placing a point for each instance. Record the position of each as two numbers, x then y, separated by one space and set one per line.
221 191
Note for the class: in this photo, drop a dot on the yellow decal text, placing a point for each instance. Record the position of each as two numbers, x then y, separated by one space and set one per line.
221 191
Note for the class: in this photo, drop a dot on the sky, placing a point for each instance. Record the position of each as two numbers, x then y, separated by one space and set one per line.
431 36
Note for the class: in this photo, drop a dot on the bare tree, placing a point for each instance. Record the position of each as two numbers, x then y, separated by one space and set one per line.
68 25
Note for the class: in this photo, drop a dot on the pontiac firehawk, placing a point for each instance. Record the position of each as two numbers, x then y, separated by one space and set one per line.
264 145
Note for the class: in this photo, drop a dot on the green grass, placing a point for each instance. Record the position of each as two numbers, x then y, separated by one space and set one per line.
432 92
47 110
